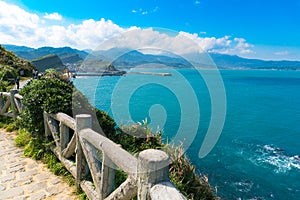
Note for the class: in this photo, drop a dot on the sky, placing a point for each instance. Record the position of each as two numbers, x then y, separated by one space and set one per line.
249 28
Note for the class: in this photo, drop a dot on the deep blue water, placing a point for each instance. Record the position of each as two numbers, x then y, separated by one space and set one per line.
257 154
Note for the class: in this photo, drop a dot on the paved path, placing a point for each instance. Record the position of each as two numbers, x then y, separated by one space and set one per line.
22 178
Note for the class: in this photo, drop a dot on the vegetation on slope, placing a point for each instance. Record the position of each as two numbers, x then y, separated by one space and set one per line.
8 58
48 62
10 67
66 54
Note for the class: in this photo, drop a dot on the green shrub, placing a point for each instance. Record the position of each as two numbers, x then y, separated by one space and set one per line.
50 95
183 175
136 138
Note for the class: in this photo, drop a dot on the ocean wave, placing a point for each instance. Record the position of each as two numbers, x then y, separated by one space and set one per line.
270 156
243 186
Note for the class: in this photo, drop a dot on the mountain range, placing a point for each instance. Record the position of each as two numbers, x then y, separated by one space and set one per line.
66 54
126 58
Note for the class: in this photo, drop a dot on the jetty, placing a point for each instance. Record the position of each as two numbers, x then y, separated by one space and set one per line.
151 73
104 73
115 73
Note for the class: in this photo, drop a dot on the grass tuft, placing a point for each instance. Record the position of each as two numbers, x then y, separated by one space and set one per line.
23 138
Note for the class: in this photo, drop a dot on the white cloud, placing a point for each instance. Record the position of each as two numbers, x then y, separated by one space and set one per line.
181 43
155 9
282 53
142 11
20 27
12 16
53 16
225 45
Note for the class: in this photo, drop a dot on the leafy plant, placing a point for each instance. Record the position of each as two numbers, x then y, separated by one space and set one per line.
50 95
34 149
184 176
11 127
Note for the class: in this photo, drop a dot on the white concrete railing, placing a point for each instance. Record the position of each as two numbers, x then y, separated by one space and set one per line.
10 104
147 175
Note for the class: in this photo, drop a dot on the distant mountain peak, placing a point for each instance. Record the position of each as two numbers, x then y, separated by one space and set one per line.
127 58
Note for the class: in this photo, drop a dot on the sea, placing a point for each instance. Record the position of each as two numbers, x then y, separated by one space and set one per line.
247 120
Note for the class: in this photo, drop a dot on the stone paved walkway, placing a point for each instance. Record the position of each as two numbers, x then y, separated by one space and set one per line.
22 178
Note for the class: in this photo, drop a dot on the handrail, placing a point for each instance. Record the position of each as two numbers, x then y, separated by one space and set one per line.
65 119
10 104
147 174
120 157
6 94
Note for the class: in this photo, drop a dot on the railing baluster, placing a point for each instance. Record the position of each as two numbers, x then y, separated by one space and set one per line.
64 136
46 126
107 176
93 164
13 104
1 101
82 122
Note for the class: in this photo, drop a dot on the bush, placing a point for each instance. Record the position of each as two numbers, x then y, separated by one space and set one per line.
136 138
50 95
183 175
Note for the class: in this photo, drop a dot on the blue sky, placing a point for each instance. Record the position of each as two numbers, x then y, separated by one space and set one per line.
255 29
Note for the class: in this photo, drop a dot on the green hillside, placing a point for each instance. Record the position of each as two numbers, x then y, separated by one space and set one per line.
11 65
49 61
66 54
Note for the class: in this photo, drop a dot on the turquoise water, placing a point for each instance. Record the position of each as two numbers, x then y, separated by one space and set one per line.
257 154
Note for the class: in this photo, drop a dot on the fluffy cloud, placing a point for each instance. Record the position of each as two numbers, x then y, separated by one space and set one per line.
182 43
225 45
20 27
12 16
53 16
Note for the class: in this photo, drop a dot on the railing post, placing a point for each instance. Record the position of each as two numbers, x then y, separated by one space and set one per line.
107 176
1 101
46 127
83 121
64 136
13 105
153 167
